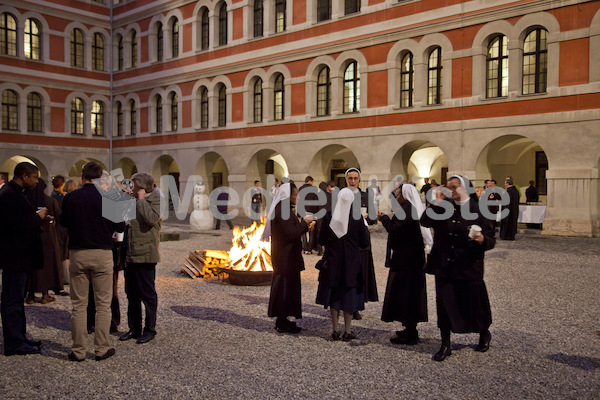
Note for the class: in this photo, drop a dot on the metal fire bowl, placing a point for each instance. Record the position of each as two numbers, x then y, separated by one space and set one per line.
247 278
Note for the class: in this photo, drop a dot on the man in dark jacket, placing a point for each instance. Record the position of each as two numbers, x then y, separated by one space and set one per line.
90 250
456 260
21 249
309 239
508 224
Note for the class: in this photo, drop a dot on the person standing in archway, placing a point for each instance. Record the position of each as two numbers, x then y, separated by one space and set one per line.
508 225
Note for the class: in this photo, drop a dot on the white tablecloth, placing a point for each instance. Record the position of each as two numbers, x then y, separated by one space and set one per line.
532 214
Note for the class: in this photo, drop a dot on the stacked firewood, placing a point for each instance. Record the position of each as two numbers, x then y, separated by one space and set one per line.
205 263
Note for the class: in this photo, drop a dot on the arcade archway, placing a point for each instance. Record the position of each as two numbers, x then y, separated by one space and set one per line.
418 160
213 170
331 162
8 166
263 163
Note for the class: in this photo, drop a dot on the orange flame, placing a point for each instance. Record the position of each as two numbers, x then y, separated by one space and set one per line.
249 252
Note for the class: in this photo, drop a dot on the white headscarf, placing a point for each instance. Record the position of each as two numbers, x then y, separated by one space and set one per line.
341 213
464 182
352 170
283 193
409 192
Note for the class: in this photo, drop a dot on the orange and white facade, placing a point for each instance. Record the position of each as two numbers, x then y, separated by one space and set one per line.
234 90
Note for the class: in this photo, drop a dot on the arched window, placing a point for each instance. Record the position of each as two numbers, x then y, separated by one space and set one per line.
258 101
8 34
10 110
223 24
119 119
160 41
352 88
34 112
32 44
407 74
97 118
98 52
222 117
280 6
434 77
77 116
134 49
132 117
535 62
323 10
173 111
203 107
258 18
497 67
175 38
120 51
279 98
159 114
323 92
204 28
77 48
351 6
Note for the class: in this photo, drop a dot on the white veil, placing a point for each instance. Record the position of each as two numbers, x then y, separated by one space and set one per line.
409 192
283 193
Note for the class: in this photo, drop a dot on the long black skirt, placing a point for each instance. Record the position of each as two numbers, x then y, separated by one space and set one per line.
286 297
462 306
370 285
340 297
405 297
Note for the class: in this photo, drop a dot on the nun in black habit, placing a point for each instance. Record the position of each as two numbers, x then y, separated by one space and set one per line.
341 281
456 260
285 229
406 295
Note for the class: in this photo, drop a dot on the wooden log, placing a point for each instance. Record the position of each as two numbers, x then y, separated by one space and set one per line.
220 254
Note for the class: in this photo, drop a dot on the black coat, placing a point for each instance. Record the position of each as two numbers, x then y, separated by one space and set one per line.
405 242
508 225
286 246
20 240
345 267
454 255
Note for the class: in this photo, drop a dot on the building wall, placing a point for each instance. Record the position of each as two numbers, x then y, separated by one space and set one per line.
468 128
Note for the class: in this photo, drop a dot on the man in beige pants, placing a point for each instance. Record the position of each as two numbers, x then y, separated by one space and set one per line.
90 247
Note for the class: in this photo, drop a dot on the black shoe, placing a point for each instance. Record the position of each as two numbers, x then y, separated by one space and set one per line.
410 338
346 337
356 315
109 353
72 357
336 336
484 342
145 338
445 351
291 328
129 335
22 351
34 343
63 293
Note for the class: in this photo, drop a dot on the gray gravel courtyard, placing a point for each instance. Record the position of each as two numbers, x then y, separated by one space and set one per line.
215 341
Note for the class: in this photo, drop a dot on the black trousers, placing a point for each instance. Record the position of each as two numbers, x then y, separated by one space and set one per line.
139 287
218 223
12 308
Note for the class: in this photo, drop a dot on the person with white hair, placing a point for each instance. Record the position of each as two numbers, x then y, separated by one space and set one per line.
406 294
459 245
341 277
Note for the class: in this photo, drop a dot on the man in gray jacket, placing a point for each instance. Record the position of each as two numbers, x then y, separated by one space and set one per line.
142 257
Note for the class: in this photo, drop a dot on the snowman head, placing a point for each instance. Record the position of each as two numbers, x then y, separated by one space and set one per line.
199 188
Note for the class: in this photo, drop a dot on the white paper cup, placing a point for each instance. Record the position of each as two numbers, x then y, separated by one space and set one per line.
363 211
119 236
473 230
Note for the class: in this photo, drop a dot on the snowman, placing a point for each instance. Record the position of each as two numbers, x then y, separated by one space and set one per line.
200 219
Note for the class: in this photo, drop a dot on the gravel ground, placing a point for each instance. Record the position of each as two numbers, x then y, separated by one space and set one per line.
215 341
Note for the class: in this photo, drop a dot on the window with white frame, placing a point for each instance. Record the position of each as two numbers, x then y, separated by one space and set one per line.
323 92
174 121
32 39
434 76
77 116
160 41
98 52
258 18
132 117
34 112
133 49
10 110
203 107
222 110
407 77
77 47
175 38
8 34
159 114
119 119
223 24
280 6
497 67
535 62
204 28
258 100
97 123
351 88
323 10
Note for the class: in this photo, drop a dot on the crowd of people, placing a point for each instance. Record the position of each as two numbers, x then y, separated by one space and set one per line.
451 248
66 238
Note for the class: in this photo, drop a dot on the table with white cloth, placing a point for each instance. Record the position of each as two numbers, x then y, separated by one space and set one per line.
532 214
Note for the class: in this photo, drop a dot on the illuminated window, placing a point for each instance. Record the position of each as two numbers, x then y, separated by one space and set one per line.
352 88
280 6
97 118
32 42
98 52
497 67
323 92
258 100
406 80
10 110
34 112
535 62
77 116
8 34
174 111
77 48
434 77
279 98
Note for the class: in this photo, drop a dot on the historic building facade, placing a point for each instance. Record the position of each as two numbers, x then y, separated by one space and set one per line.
234 90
